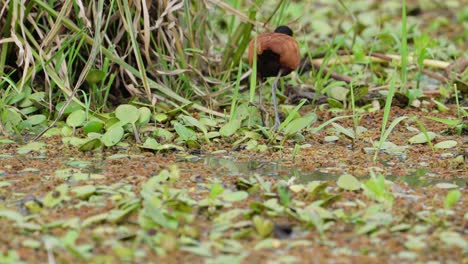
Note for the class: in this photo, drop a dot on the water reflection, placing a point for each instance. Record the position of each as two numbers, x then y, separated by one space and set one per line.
419 177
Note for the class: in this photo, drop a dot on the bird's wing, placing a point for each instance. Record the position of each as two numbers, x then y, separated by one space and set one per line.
283 45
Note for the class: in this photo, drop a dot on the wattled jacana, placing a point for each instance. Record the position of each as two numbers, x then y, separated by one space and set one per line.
277 55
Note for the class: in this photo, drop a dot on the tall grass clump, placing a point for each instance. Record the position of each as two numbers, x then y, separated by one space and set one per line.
162 52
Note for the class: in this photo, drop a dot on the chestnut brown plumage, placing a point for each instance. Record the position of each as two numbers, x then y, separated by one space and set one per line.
277 55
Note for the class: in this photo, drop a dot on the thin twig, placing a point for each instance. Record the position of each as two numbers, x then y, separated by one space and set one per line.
435 76
306 65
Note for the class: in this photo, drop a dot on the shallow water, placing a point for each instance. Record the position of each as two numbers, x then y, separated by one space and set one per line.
420 177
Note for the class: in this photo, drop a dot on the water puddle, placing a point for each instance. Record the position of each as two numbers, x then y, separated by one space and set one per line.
418 178
228 166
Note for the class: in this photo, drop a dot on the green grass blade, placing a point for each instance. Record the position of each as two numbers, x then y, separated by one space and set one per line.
236 93
424 131
388 105
404 48
114 58
324 124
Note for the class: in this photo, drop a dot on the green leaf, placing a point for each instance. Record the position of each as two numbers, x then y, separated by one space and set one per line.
113 121
4 183
335 103
80 164
37 97
71 107
73 174
153 215
74 141
192 144
54 131
94 126
36 119
413 94
201 250
14 98
56 196
151 143
400 227
160 118
234 196
230 128
76 118
251 144
234 259
360 92
324 124
94 219
184 132
216 190
144 116
415 243
123 252
292 114
31 146
208 121
367 228
112 136
11 215
267 244
389 130
448 122
300 123
11 117
264 227
66 131
348 182
84 191
242 112
331 138
31 243
28 110
338 93
446 144
421 138
94 76
32 204
117 215
163 134
25 103
452 198
284 195
451 239
169 242
375 188
348 132
127 113
194 122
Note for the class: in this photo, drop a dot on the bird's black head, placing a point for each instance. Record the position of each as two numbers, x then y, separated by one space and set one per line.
285 30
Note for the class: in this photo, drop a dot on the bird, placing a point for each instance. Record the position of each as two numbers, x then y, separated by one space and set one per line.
277 55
